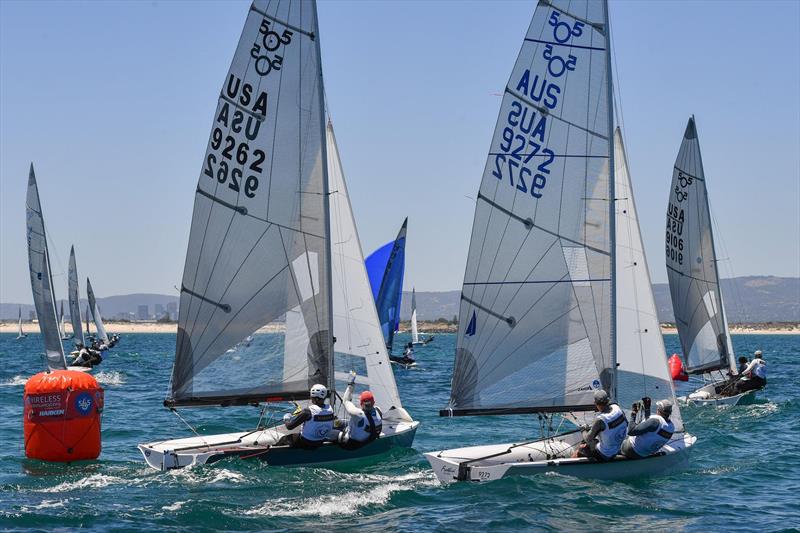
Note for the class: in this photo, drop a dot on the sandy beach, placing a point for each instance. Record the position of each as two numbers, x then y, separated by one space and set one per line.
405 327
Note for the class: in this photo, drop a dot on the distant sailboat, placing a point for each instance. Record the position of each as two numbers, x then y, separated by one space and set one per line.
694 280
385 267
42 280
556 301
74 303
88 333
415 340
291 250
61 326
21 334
98 320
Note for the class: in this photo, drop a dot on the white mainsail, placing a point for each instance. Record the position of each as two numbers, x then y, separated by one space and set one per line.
41 278
359 342
20 333
414 331
95 310
537 313
641 357
74 301
692 265
258 247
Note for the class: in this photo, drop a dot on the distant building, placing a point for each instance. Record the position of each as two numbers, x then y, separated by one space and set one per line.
172 309
159 311
142 312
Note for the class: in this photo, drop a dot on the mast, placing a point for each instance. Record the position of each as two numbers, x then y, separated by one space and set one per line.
612 206
728 341
326 210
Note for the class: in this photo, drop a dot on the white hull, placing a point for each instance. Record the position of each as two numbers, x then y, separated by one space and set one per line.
180 453
706 395
80 368
552 455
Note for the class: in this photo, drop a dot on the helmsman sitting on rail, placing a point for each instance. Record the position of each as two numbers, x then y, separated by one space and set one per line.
753 377
603 439
317 420
650 435
364 425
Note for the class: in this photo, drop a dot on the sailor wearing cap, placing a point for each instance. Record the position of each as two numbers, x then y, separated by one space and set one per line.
650 435
603 439
754 377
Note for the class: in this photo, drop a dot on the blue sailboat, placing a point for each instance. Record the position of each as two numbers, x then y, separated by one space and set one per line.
385 268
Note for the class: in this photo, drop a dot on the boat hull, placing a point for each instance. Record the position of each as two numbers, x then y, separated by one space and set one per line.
548 456
180 453
698 397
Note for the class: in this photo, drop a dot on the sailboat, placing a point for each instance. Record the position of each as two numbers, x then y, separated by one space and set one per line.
385 267
42 280
694 280
556 301
88 333
415 339
96 318
74 302
21 334
61 326
274 256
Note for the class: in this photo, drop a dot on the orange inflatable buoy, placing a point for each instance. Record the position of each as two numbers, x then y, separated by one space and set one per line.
62 416
676 369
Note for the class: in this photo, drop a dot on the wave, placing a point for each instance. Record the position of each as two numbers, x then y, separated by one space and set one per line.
16 381
110 378
175 506
379 491
95 481
204 475
45 504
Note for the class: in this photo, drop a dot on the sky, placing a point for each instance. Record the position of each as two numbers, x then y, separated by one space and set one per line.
113 103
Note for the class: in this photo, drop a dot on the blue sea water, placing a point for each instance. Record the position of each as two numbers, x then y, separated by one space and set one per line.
744 472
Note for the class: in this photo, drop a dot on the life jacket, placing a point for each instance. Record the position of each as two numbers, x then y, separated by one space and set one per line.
760 370
321 423
610 439
365 428
649 443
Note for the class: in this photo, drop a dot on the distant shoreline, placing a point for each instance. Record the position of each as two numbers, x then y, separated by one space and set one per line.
425 327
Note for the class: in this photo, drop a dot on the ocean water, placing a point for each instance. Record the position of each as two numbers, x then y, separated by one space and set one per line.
744 472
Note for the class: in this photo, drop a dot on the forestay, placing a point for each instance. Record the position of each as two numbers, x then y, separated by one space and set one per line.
258 241
536 313
386 267
641 357
692 265
95 310
74 301
359 342
41 278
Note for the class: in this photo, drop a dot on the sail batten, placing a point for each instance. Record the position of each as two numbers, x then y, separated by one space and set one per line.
536 321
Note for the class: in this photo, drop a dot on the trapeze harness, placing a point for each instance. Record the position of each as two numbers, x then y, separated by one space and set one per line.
362 430
610 439
649 443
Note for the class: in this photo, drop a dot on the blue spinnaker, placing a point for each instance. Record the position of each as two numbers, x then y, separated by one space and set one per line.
385 267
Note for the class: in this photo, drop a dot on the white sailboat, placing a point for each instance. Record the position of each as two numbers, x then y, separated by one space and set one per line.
61 326
274 256
556 300
694 280
73 290
42 280
415 339
102 336
21 334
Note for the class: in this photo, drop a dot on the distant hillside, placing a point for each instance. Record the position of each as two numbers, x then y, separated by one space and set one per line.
747 299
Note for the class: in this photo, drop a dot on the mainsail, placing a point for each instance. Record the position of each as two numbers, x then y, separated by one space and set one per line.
95 310
74 301
385 267
19 324
414 331
258 249
537 304
641 358
692 265
359 342
62 328
41 278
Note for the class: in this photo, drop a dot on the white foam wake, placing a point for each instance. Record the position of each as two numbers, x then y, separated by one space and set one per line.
16 381
378 491
110 378
95 481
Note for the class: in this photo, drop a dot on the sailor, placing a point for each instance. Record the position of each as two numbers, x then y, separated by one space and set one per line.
742 365
83 358
408 354
603 439
754 376
317 420
364 425
647 437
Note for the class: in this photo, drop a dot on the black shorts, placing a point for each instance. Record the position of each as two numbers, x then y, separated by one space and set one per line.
590 451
